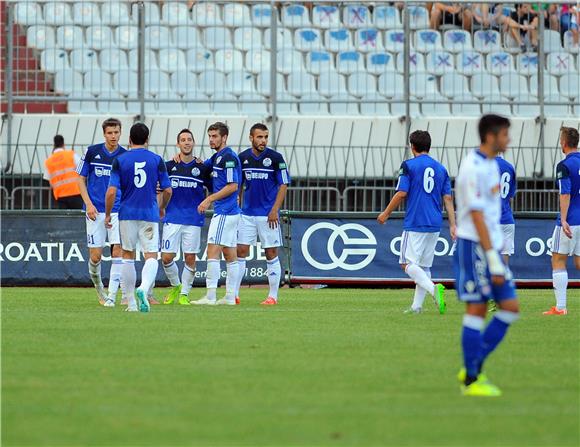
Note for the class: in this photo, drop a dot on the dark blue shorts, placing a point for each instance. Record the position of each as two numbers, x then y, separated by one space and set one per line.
472 277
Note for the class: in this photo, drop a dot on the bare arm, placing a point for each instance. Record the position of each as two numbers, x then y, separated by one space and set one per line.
226 191
564 207
495 266
110 197
91 209
395 202
163 200
448 202
273 218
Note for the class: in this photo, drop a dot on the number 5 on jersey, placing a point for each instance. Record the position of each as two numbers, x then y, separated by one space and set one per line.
140 175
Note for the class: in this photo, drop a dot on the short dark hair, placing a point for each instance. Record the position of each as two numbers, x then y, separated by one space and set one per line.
58 141
570 136
185 131
111 122
222 128
421 140
491 124
139 133
258 126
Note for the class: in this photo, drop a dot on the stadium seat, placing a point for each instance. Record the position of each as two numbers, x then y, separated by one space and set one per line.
186 37
212 81
237 15
87 105
423 84
98 82
175 14
561 106
361 83
127 37
356 16
156 82
418 17
427 40
114 107
313 104
454 84
570 85
500 62
527 63
150 60
247 38
262 15
183 82
295 16
227 61
496 104
484 85
487 41
368 39
264 86
326 16
339 39
217 38
53 60
197 103
551 41
253 104
391 84
28 13
69 37
470 62
416 62
455 40
171 59
394 41
257 61
374 104
440 62
57 13
286 104
125 82
115 13
288 61
465 105
319 62
152 14
331 83
240 82
308 39
40 37
550 85
433 104
206 14
343 104
348 62
86 14
173 107
99 37
84 60
526 110
68 82
512 85
300 83
380 62
157 37
398 107
199 60
224 103
387 17
560 63
569 44
283 39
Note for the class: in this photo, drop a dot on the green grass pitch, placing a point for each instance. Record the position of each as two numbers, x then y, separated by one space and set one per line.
325 367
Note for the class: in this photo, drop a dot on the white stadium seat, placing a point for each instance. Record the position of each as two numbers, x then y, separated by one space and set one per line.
295 16
98 82
308 39
496 104
368 39
500 62
86 14
175 14
157 37
257 61
156 82
484 85
387 17
99 37
53 59
197 103
212 81
418 17
550 85
224 103
512 85
313 104
465 105
348 62
570 85
470 62
423 84
125 82
152 14
286 104
427 40
300 83
561 108
391 84
57 13
361 83
416 63
343 104
487 41
84 60
171 59
527 63
150 60
173 107
253 104
40 37
217 38
186 37
440 62
115 13
240 82
247 38
560 63
264 86
127 37
380 62
433 104
69 37
331 83
237 15
28 13
569 44
394 41
283 39
454 84
68 82
319 62
326 16
526 110
551 41
288 61
356 16
262 15
455 40
206 14
199 60
374 104
183 82
339 39
227 61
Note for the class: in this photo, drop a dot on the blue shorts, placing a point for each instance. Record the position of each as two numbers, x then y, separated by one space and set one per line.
472 277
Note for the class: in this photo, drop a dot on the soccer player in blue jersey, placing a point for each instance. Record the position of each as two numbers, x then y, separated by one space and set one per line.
480 273
265 179
566 237
507 189
425 185
94 171
183 222
136 174
223 228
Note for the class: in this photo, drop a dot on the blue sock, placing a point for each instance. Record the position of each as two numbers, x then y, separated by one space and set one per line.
471 342
495 332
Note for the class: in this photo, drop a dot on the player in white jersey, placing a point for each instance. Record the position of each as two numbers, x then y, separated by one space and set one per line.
481 274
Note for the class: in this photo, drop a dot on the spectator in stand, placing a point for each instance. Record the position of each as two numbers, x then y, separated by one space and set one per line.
523 26
482 16
550 14
567 17
60 172
449 14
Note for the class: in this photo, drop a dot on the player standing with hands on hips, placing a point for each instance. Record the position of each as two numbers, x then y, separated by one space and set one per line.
480 273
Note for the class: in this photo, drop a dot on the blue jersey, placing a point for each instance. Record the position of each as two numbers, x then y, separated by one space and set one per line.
568 176
95 165
187 182
425 181
225 166
262 177
507 190
136 173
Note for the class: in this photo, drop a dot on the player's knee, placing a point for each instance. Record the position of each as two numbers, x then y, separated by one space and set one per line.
167 258
476 309
95 257
577 262
271 253
512 306
243 251
190 260
116 251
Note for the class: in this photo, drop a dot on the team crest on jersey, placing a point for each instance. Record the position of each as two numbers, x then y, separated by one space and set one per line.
267 162
174 183
99 171
217 161
195 172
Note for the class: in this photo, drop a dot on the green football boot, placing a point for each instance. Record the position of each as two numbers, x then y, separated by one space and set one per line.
439 298
172 295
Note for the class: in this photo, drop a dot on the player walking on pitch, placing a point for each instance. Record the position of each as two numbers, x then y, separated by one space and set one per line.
136 174
94 171
183 222
481 275
223 228
266 179
423 181
566 237
507 188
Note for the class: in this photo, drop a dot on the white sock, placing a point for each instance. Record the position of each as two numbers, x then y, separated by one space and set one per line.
418 275
95 273
129 276
187 279
231 281
420 292
211 278
115 277
172 273
274 272
148 274
560 280
241 274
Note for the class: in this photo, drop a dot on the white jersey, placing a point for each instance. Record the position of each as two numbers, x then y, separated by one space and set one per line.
477 188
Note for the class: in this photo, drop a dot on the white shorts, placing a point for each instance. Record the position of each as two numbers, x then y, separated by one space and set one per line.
98 234
418 248
563 245
134 232
250 227
223 230
509 234
188 237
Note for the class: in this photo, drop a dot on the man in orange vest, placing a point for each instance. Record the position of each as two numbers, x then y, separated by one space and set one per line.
60 171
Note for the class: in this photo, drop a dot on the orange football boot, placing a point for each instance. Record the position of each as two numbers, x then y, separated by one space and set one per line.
555 311
237 300
269 301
